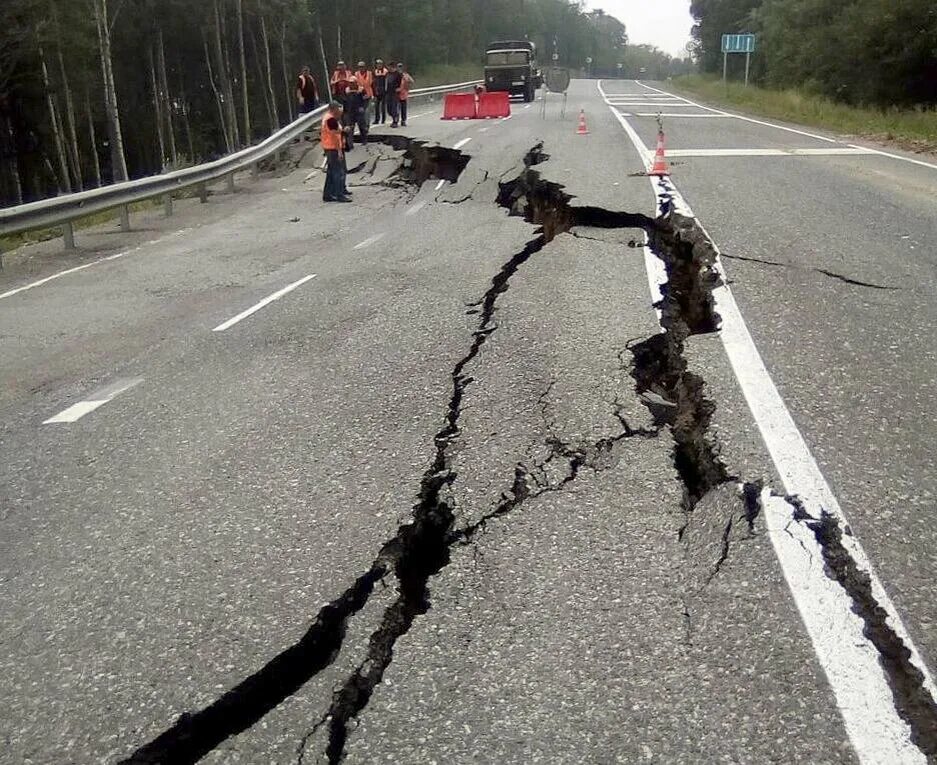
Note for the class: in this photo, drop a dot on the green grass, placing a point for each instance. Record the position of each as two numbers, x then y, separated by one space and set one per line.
911 129
446 74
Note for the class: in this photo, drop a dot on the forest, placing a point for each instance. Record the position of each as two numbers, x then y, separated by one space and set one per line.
879 53
98 91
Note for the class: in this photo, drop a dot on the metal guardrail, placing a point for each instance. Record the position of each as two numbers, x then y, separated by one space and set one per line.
61 211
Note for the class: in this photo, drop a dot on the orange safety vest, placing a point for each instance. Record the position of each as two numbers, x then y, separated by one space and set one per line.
340 78
365 83
332 140
404 90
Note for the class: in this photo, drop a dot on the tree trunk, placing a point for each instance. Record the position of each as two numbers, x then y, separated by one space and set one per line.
219 99
260 77
273 96
74 152
224 77
13 166
118 159
286 74
64 184
167 101
245 96
187 125
95 161
326 83
158 108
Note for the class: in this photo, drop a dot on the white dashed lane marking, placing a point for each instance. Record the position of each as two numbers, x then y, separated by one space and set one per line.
98 398
266 301
369 241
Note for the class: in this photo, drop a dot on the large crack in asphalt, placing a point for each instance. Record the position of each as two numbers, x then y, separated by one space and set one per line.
913 701
422 548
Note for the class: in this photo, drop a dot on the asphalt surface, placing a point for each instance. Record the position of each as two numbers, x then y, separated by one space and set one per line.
169 544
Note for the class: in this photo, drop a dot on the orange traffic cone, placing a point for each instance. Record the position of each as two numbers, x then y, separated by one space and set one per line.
660 161
582 129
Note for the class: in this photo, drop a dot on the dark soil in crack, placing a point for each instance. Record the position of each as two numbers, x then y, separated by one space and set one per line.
422 162
914 703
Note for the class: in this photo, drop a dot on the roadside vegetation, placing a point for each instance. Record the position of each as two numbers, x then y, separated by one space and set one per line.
914 129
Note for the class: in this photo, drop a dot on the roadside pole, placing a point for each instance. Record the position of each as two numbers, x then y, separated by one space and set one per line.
748 61
725 67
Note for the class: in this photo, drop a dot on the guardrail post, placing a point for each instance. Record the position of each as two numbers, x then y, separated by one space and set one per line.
68 235
125 217
255 169
167 205
231 183
203 193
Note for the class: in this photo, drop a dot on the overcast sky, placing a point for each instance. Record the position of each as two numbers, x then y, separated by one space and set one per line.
664 23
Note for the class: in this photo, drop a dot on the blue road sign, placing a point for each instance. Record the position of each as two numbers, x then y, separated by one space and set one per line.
738 43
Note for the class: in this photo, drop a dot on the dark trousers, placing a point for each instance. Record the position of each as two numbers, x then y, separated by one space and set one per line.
403 112
380 108
362 120
334 175
393 104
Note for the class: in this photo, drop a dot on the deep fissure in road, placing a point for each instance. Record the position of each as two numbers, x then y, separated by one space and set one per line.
913 701
421 548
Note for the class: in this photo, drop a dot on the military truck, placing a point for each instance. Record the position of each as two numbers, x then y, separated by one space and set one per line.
511 65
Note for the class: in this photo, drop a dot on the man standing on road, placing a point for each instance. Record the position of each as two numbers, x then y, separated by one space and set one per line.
356 113
390 95
403 92
341 77
380 92
365 86
307 94
333 143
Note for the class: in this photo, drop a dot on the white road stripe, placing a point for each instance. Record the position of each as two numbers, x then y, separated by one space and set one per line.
676 104
99 398
527 106
831 152
369 241
462 143
750 119
505 119
677 115
848 658
67 271
266 301
931 165
483 130
440 184
416 208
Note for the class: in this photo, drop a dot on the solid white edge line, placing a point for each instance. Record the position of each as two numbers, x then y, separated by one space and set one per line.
752 120
831 152
67 271
372 239
266 301
849 660
96 399
888 154
674 115
462 143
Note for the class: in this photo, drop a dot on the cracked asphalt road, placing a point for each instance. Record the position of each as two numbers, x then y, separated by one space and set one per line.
418 510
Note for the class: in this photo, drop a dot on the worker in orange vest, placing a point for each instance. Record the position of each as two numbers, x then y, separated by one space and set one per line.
332 136
340 79
365 86
379 81
403 94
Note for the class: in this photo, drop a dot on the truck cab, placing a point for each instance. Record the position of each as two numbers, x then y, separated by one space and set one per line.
511 66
